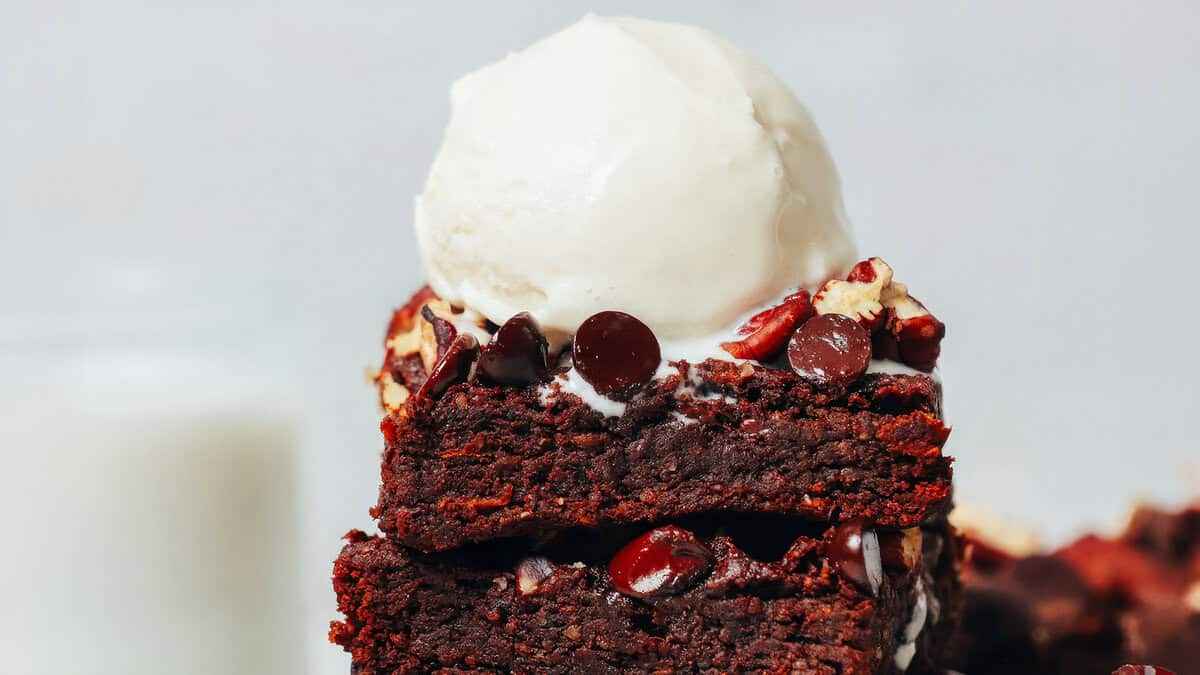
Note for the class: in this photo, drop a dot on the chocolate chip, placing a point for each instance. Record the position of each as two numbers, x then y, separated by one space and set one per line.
663 561
453 367
516 355
614 352
830 349
854 550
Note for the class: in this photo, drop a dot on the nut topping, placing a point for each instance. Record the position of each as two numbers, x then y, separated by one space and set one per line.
767 333
916 333
531 572
860 296
902 328
404 333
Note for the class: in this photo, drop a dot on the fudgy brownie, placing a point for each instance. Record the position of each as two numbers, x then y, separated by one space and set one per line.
1089 606
741 594
485 461
598 508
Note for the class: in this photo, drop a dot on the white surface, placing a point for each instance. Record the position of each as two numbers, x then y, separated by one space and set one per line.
619 163
1029 168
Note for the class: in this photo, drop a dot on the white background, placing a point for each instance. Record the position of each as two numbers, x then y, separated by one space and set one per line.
1029 168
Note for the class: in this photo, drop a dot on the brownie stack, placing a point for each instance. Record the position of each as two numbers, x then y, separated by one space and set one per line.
1098 602
771 513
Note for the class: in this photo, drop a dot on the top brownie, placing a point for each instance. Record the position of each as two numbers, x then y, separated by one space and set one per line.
493 433
485 461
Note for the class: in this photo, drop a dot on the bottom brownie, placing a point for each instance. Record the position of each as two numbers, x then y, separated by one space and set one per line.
779 597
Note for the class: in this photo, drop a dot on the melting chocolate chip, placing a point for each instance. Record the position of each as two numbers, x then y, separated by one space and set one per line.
854 550
663 561
453 367
614 351
516 355
830 349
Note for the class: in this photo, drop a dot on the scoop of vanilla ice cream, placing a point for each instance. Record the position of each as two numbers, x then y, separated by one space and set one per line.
635 165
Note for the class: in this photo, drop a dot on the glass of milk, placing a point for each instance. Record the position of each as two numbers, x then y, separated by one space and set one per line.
148 492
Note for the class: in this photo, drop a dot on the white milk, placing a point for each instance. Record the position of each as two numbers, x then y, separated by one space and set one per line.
150 519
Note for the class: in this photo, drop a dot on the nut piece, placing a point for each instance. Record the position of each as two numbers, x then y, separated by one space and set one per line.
404 318
916 333
437 332
531 572
902 328
404 331
860 296
391 393
768 331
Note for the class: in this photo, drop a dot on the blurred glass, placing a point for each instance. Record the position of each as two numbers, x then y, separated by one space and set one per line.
150 471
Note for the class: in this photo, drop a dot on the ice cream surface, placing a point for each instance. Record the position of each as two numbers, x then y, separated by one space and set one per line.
629 164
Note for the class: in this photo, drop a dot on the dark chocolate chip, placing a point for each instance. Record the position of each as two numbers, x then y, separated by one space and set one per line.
663 561
830 349
854 550
452 368
516 355
614 351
